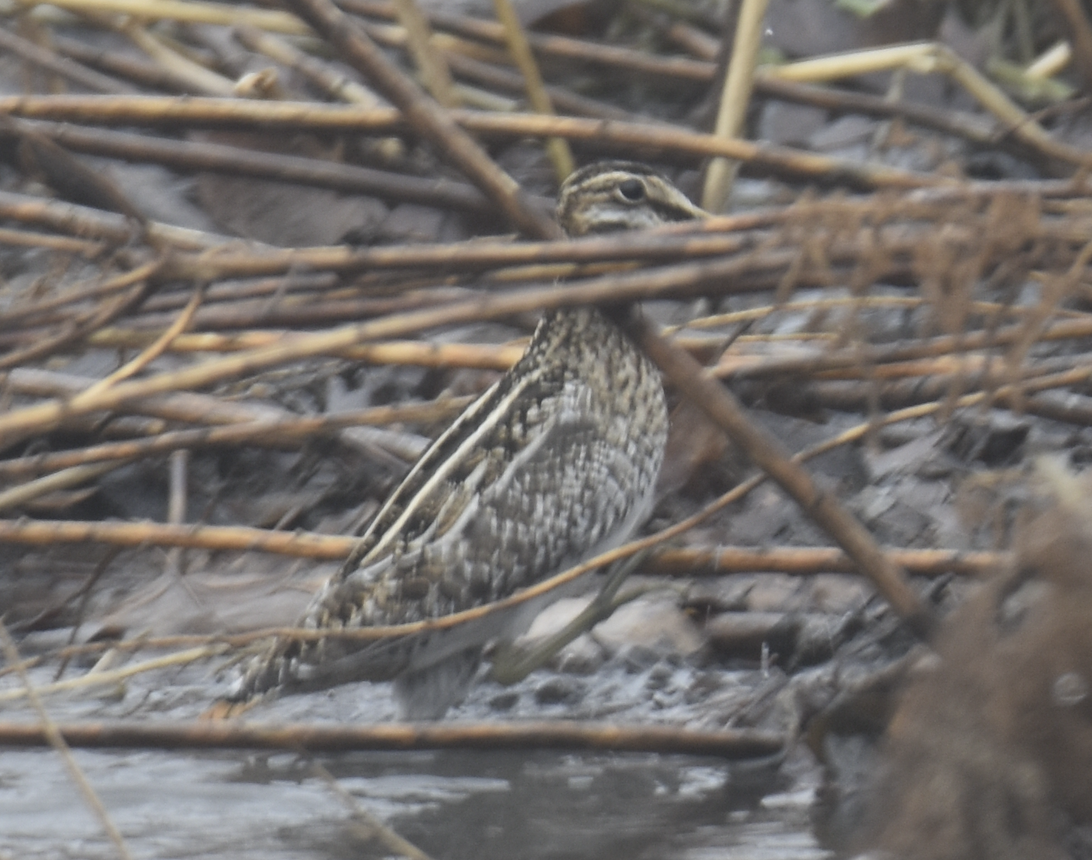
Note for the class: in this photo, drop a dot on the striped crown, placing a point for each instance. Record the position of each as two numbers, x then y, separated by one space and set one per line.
610 196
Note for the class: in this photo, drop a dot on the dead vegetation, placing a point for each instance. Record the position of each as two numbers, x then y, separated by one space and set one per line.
231 381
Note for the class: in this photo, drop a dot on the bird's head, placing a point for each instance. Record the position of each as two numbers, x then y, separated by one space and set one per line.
620 195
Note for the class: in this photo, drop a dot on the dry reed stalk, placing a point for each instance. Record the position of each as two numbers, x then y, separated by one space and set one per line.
946 238
807 561
426 118
732 744
689 561
277 433
231 113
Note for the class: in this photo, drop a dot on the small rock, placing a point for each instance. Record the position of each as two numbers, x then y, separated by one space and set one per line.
659 676
581 657
560 691
638 658
653 621
746 634
504 701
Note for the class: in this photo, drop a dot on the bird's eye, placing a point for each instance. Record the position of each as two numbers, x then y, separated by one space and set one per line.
632 190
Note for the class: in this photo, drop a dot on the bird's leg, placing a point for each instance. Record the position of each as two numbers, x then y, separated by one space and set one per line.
426 694
511 664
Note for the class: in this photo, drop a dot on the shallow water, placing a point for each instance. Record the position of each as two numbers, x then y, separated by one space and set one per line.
507 805
450 804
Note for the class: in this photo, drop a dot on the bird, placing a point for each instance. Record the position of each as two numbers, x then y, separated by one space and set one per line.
553 464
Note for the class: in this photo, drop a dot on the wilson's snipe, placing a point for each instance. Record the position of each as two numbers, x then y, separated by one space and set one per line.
553 464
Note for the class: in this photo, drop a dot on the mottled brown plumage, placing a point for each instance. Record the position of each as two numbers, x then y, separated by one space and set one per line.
554 464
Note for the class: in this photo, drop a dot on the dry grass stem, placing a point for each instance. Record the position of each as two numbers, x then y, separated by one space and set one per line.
426 118
114 676
823 508
60 480
188 11
52 735
431 65
907 297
